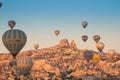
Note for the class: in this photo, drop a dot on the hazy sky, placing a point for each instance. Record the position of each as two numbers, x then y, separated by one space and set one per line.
39 18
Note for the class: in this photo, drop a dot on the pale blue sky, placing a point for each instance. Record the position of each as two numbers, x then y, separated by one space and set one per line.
39 18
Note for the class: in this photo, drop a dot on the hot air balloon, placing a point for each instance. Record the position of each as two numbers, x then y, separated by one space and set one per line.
100 46
14 40
36 46
12 63
96 38
57 32
24 65
87 55
11 24
84 24
0 4
111 53
96 58
84 38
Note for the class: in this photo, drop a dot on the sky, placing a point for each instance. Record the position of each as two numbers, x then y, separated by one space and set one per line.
39 18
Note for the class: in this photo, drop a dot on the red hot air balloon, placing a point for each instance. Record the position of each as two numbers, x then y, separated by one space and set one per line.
84 38
87 55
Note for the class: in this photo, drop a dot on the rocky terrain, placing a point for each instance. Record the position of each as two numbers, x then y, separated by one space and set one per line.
61 62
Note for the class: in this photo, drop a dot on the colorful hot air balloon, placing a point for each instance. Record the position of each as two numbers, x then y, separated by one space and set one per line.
96 58
57 32
14 40
36 46
11 24
100 46
87 55
24 65
84 38
0 4
84 24
96 38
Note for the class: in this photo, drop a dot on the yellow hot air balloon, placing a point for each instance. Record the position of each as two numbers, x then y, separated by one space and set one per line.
96 38
36 46
24 65
96 58
100 46
57 32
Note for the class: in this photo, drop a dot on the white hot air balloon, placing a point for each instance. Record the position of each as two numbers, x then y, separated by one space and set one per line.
36 46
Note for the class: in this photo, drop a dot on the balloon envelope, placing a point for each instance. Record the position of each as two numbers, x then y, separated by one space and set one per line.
57 32
24 65
87 55
14 40
0 4
84 38
11 24
84 24
111 52
96 58
100 46
96 38
36 46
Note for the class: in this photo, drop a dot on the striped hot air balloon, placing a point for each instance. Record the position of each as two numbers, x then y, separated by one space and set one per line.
14 40
24 65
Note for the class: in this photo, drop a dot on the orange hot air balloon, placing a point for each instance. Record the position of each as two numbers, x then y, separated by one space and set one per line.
100 46
96 58
84 24
57 32
96 38
36 46
11 24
